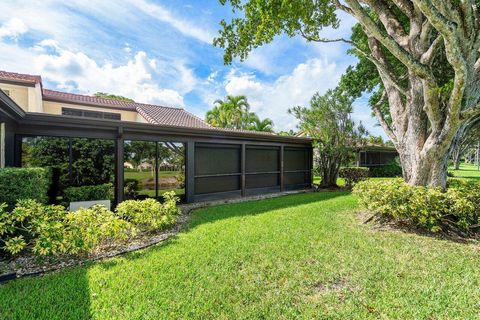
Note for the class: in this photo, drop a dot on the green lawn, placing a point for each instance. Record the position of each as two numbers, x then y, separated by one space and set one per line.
466 171
300 256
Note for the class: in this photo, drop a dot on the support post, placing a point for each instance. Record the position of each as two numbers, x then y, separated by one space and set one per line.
119 159
190 172
157 182
282 174
243 158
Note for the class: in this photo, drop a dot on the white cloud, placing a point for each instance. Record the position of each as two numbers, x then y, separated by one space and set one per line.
135 79
274 99
13 28
182 25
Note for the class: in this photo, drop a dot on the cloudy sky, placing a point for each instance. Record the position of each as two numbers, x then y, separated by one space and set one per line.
160 52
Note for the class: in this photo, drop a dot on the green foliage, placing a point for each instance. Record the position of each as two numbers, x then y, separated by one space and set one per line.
390 169
87 193
353 175
149 214
50 230
112 96
87 228
456 209
234 112
23 183
35 225
328 121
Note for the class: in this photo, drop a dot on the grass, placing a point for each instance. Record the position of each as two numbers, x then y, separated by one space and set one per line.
301 256
469 171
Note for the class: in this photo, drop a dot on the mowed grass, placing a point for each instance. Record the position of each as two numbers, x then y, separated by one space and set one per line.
469 171
300 256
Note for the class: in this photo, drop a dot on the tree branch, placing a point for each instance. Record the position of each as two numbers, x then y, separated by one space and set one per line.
427 56
392 46
381 118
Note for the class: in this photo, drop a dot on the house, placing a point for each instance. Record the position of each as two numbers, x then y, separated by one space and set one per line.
87 140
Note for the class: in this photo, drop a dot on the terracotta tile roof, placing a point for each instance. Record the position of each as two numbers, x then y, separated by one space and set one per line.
52 95
154 114
171 116
18 77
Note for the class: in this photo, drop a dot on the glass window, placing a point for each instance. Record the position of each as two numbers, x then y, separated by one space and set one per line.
152 168
73 161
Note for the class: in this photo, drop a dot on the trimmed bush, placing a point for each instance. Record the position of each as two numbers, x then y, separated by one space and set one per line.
352 175
49 230
87 228
23 183
149 214
391 169
89 193
457 209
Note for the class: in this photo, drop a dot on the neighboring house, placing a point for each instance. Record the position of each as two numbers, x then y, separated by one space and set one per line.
219 163
375 155
128 165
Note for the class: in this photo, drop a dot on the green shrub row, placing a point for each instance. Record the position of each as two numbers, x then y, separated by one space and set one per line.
352 175
88 193
390 169
23 183
51 230
457 209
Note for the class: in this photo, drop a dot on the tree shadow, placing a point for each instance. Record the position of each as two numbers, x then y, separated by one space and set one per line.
67 294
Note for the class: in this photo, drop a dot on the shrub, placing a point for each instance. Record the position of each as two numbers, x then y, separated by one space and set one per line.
33 224
352 175
88 193
456 209
390 169
23 183
149 214
131 188
49 230
86 228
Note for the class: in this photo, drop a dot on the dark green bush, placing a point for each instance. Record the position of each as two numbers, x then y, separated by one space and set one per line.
391 169
457 209
352 175
23 183
88 193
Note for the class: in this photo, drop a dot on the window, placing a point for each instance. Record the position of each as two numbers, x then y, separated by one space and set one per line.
90 114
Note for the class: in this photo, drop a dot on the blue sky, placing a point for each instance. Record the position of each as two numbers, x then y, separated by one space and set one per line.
160 52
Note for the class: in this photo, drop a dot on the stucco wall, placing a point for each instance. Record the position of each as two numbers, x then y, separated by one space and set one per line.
19 94
56 108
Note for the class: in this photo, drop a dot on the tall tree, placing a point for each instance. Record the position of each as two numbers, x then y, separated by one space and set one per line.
234 112
405 41
469 138
328 122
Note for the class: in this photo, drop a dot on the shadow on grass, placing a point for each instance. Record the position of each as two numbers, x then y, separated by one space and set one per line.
67 295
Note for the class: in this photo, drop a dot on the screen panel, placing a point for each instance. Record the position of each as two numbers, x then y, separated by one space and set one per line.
296 159
292 178
211 159
262 180
262 159
217 184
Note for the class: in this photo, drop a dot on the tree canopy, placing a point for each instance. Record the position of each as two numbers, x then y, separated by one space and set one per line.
328 121
419 58
112 96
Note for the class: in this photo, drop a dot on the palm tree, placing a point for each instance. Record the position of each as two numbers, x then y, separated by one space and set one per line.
265 125
234 112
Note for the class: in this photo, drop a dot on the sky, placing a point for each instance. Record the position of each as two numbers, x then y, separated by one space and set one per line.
161 52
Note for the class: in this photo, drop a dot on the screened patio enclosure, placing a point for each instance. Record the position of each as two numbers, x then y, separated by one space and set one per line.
145 160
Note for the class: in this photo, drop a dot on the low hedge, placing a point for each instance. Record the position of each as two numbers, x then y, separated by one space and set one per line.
457 209
352 175
89 193
23 183
389 170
